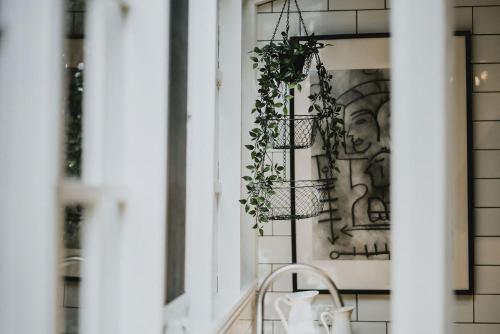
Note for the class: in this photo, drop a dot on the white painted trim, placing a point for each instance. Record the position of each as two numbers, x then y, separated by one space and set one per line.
248 236
125 131
229 147
175 315
145 124
200 195
420 94
30 126
226 321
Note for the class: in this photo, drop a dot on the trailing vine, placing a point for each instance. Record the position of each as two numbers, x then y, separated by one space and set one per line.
283 66
331 127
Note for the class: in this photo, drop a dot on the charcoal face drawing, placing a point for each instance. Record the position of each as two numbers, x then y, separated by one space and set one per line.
356 221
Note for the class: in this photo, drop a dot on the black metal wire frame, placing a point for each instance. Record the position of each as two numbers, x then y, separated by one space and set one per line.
304 132
287 4
308 196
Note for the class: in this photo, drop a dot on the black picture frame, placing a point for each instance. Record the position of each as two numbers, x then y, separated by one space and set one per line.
470 168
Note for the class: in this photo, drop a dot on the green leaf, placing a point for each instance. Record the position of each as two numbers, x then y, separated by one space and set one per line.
247 178
261 232
250 147
243 201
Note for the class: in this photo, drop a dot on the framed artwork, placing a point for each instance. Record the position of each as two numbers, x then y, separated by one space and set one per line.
351 239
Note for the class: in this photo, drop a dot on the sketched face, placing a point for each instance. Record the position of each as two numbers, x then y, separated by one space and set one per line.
361 125
361 128
378 169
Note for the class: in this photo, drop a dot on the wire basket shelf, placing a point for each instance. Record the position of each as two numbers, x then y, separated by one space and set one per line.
309 198
304 132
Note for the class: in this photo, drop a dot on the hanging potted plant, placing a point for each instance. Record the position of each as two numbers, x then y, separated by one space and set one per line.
294 58
282 66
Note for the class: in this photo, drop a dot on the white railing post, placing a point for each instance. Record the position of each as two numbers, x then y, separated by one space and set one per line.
124 155
30 109
229 147
419 53
200 181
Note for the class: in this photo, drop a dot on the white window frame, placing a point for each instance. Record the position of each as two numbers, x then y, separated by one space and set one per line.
220 244
123 167
30 81
123 182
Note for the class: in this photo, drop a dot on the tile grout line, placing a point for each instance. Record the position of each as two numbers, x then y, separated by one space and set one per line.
356 21
357 308
473 308
472 21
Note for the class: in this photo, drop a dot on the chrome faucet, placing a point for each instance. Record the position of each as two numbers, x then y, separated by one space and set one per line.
297 267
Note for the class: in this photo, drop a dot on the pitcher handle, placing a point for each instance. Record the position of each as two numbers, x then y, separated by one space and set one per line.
280 314
323 317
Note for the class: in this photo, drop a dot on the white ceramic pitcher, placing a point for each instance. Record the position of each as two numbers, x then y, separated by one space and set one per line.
300 318
341 319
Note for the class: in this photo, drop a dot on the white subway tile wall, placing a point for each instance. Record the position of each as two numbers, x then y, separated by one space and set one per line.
486 164
356 4
486 76
304 5
487 252
486 20
275 249
477 2
464 309
324 23
487 308
487 222
373 307
486 49
479 314
487 279
463 18
486 105
477 329
372 21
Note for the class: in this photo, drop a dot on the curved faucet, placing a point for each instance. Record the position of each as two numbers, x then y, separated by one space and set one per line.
296 267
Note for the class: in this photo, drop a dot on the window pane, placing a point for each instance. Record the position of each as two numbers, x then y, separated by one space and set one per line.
176 206
73 214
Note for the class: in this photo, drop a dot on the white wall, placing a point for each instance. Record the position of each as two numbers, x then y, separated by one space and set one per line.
473 314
